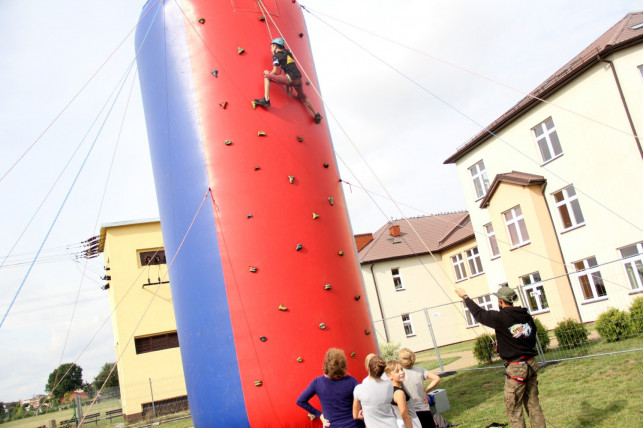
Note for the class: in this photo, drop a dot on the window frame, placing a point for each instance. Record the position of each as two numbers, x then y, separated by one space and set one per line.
516 221
479 176
457 261
408 322
474 261
397 276
588 269
631 261
492 241
545 137
528 290
571 206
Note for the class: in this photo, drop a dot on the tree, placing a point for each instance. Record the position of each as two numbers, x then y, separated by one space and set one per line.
102 376
68 377
1 410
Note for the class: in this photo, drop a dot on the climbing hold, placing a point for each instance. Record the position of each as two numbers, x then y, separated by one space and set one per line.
253 269
257 167
228 142
215 73
261 134
249 215
358 297
202 21
332 201
322 326
299 247
254 105
367 331
301 34
352 354
327 287
310 415
300 139
240 50
258 383
262 18
263 338
223 104
291 178
315 216
325 165
340 252
282 308
300 360
307 83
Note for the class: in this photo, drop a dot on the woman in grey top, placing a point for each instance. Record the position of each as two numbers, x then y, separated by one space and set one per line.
414 384
372 399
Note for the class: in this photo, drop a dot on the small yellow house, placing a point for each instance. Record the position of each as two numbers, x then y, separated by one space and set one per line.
150 371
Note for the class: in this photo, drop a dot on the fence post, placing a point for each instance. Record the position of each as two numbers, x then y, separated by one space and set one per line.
435 344
152 394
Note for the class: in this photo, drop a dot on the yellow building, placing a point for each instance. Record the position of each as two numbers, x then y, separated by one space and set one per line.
150 371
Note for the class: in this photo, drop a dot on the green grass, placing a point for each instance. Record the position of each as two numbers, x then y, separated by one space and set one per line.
433 364
590 392
60 415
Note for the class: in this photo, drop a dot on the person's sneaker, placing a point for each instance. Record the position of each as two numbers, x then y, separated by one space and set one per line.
318 118
263 102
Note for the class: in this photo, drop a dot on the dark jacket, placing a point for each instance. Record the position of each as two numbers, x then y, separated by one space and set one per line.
515 329
283 59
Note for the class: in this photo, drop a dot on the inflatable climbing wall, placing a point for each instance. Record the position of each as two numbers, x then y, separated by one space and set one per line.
266 276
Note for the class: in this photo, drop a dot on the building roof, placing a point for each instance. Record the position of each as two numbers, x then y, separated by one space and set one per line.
625 33
420 235
513 177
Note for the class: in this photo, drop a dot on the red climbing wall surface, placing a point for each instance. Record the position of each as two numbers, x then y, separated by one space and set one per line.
282 224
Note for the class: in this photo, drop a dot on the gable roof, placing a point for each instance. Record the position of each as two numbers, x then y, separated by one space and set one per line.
513 177
434 234
625 33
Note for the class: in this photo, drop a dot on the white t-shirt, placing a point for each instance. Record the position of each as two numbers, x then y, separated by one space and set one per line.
375 398
414 385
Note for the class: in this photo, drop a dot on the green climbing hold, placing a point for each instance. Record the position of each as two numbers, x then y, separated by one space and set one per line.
300 360
253 269
327 287
315 216
240 50
228 142
215 73
202 21
263 338
258 383
261 134
311 416
358 297
367 331
322 326
332 201
300 139
325 165
341 253
249 215
282 308
291 178
352 354
299 247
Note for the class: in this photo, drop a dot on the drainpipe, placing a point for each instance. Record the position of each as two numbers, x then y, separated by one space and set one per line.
379 303
627 110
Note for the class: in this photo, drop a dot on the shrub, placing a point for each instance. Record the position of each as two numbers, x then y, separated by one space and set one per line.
613 325
571 334
388 351
543 336
483 349
636 315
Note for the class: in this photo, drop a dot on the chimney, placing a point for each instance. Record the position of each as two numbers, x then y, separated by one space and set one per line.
395 230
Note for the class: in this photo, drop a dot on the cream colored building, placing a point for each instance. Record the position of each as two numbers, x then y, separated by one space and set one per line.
553 185
145 337
411 269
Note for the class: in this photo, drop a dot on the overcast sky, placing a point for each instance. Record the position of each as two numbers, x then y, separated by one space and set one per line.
401 110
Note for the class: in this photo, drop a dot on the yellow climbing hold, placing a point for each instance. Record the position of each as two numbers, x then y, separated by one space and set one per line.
315 216
261 134
291 178
228 142
240 50
254 105
258 383
282 308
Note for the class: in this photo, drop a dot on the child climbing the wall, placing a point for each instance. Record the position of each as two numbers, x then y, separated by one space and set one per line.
291 78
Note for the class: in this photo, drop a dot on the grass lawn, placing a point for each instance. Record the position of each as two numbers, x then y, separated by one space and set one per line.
590 392
40 420
433 364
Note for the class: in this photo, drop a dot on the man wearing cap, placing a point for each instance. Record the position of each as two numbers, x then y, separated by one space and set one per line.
516 336
282 60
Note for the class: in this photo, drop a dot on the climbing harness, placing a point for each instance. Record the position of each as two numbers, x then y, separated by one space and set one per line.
530 370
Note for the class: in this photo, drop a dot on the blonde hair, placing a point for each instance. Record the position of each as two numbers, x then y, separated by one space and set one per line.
335 363
407 358
391 365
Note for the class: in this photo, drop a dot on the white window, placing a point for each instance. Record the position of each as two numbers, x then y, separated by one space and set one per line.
491 238
547 140
535 293
480 179
458 267
633 262
408 325
475 264
590 279
516 227
397 279
484 302
569 208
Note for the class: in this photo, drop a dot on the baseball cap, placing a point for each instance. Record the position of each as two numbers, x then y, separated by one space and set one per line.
507 294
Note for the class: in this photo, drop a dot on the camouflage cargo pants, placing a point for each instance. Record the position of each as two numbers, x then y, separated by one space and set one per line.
519 394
